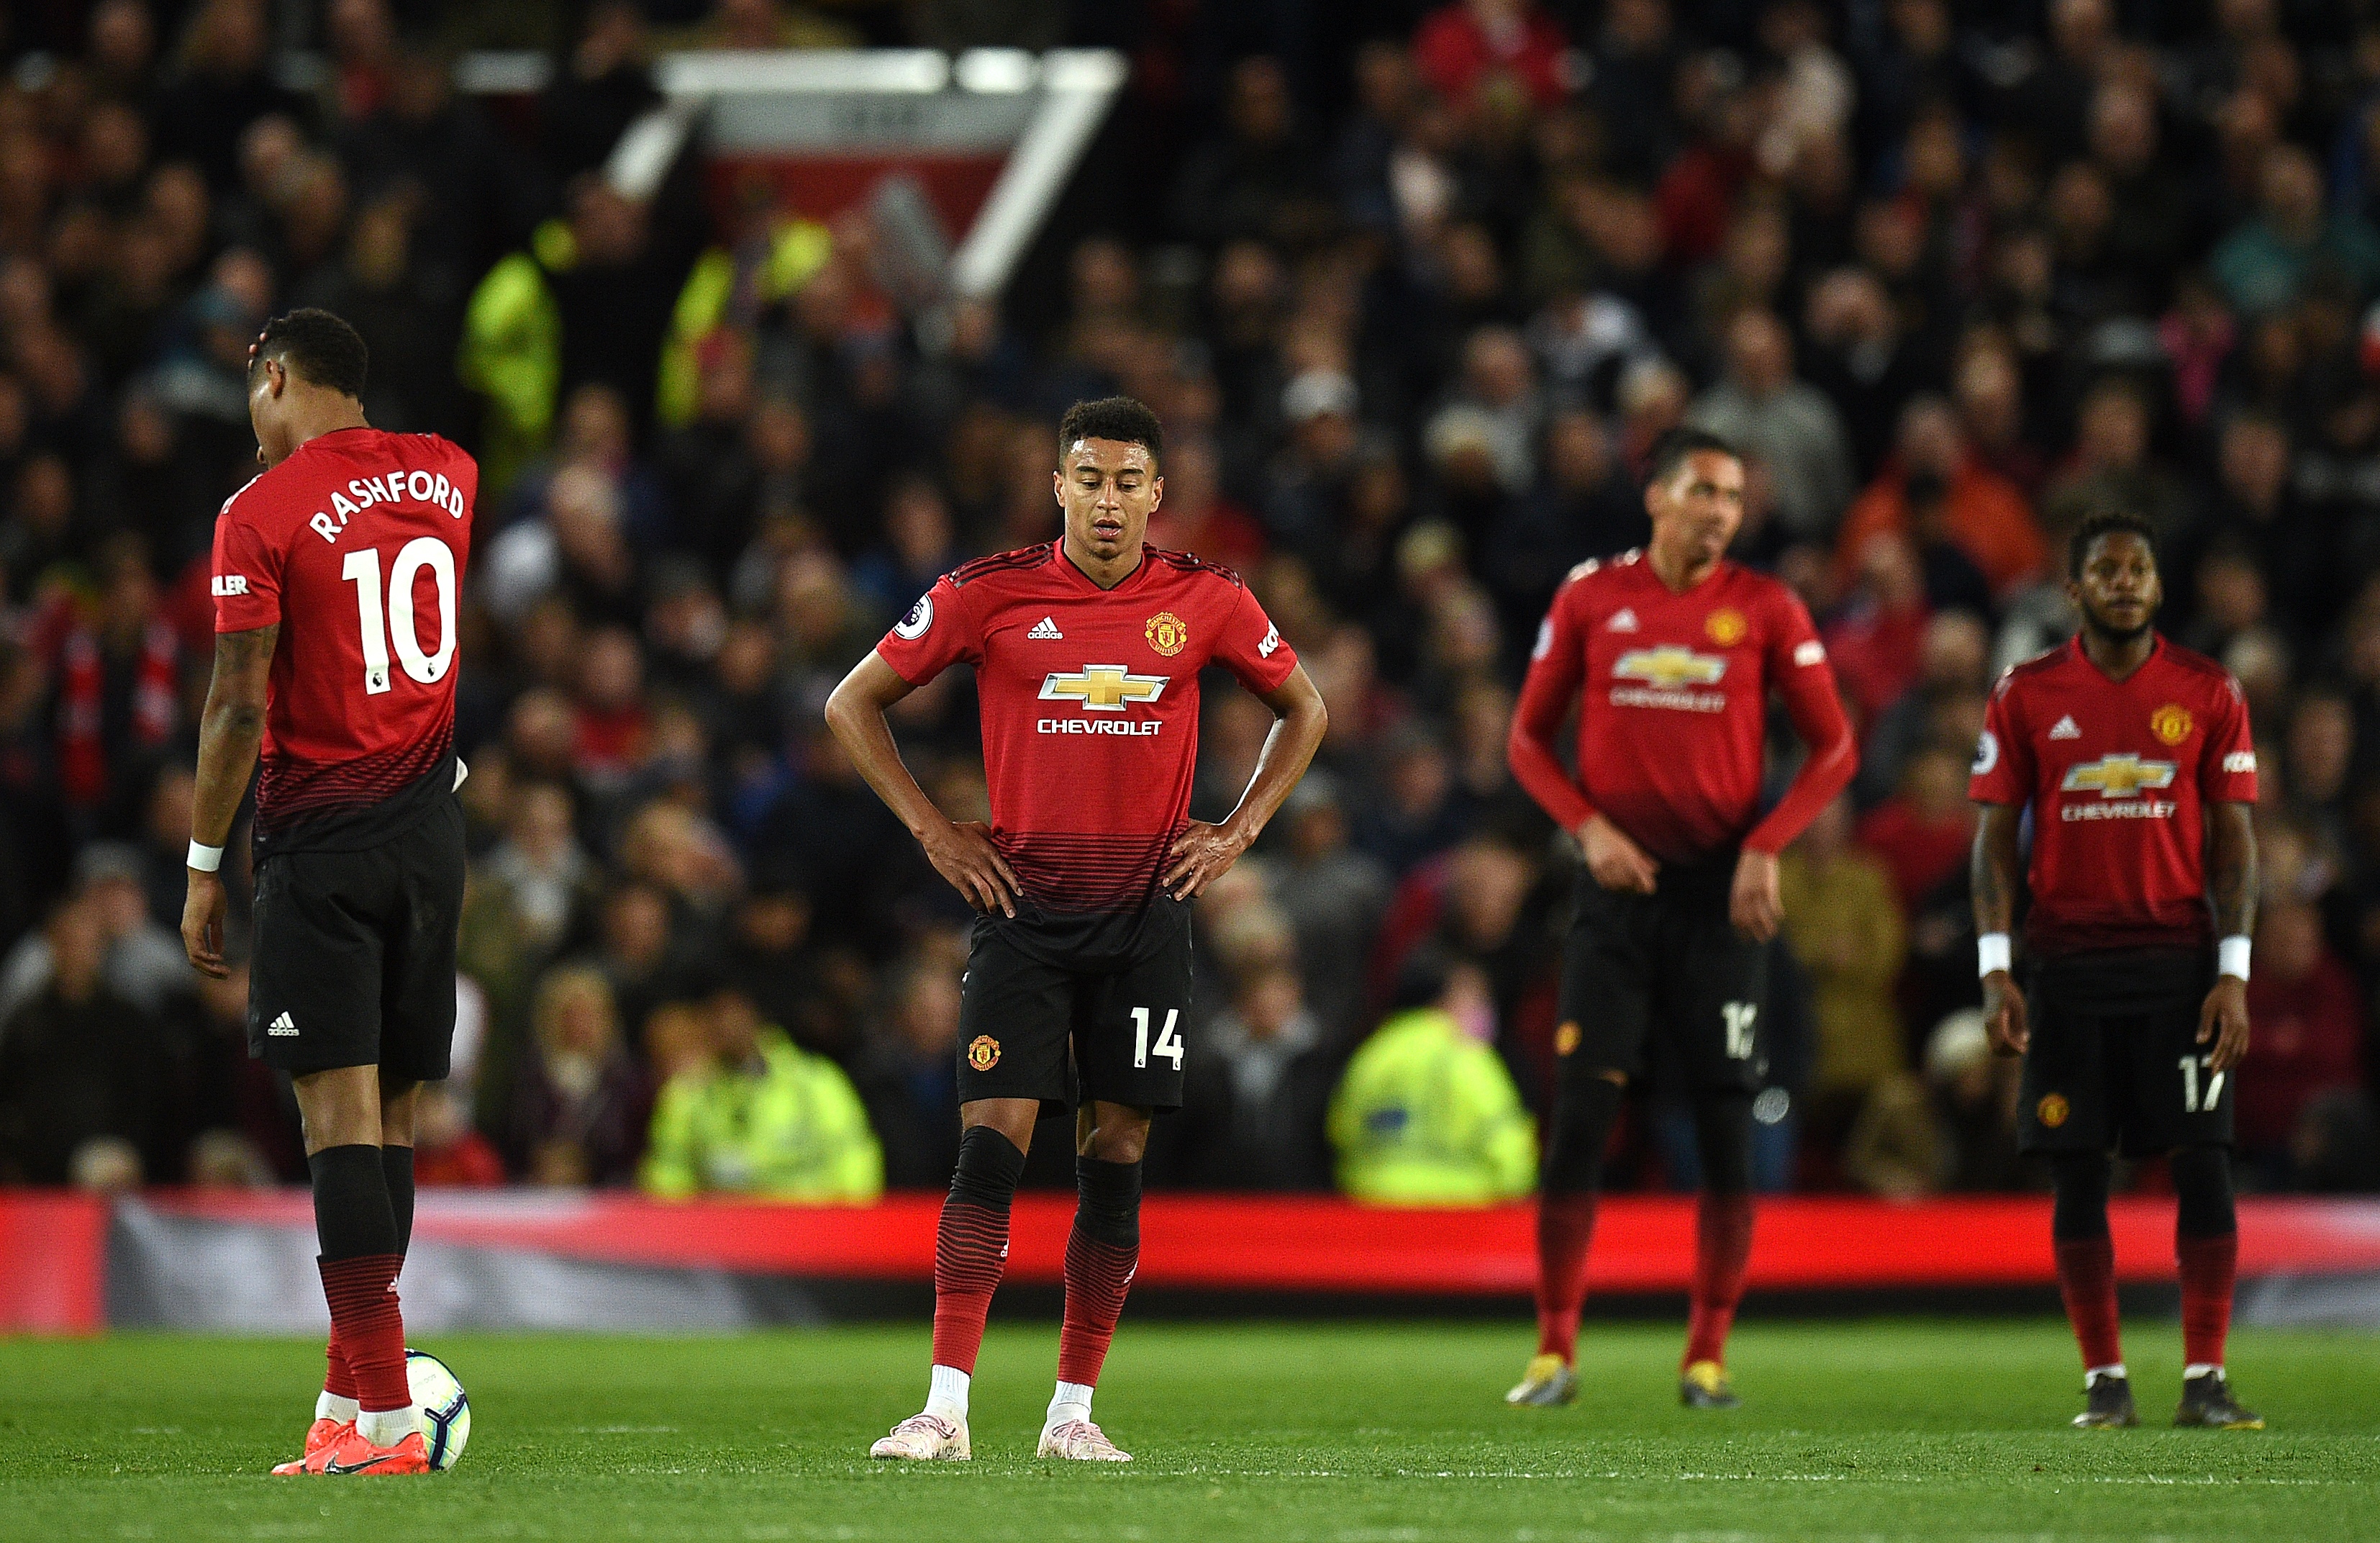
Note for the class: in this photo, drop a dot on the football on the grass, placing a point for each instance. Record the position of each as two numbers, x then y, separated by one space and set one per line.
445 1408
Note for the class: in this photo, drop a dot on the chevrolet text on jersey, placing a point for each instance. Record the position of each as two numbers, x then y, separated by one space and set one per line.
2117 773
1673 692
1089 706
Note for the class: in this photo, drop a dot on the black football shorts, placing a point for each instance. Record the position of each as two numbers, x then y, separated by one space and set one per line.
2115 1059
1062 1024
354 954
1663 982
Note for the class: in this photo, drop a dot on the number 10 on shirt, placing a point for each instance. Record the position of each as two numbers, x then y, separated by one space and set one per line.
395 623
1168 1044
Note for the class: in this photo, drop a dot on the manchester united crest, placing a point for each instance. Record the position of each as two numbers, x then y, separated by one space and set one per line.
2053 1110
2172 723
1726 626
983 1053
1566 1038
1167 633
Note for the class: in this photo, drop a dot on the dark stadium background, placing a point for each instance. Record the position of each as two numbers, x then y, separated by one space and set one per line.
1414 294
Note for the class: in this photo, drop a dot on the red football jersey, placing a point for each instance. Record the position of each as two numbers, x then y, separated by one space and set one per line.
1089 702
356 545
1673 726
2118 774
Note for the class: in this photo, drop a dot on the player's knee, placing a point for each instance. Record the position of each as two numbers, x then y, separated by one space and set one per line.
2078 1211
2201 1192
989 1166
1107 1200
1116 1134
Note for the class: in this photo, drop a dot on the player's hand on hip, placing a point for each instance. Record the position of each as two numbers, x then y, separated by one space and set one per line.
2004 1021
202 924
1755 905
1617 862
964 857
2224 1020
1201 855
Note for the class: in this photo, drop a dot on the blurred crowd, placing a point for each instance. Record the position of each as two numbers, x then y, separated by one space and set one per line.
1414 288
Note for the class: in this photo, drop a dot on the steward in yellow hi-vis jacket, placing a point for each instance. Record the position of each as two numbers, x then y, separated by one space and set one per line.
1426 1114
761 1118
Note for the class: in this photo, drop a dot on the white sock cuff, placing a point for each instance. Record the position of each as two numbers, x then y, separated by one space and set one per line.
329 1405
947 1395
2197 1370
2097 1372
386 1427
1072 1402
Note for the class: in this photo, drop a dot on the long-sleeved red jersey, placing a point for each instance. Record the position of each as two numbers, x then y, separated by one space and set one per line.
1671 729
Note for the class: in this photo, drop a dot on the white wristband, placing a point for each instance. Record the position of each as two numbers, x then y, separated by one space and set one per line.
2231 957
1991 953
205 859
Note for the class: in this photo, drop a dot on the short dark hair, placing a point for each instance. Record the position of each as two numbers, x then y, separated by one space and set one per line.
1126 419
1678 443
317 348
2108 522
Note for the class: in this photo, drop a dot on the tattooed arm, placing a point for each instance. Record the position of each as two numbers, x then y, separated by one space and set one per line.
229 733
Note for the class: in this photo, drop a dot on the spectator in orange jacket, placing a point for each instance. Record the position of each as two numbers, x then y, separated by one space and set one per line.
1988 519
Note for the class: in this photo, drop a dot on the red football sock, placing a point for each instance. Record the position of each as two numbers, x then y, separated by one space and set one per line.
338 1378
1098 1275
2086 1278
2208 1267
1565 1227
1722 1252
969 1248
369 1328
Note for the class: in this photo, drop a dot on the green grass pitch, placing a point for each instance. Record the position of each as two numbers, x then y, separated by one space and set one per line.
1388 1433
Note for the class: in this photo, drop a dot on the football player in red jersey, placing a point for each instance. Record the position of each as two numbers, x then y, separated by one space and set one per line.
1087 653
336 577
2135 757
1670 654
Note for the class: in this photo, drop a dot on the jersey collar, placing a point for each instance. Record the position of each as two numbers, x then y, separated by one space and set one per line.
1066 565
2156 649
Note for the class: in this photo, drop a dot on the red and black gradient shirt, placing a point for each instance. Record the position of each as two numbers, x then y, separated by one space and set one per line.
356 545
1089 702
2119 774
1672 725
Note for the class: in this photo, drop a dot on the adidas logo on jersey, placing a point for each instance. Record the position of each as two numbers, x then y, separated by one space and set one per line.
282 1028
1623 620
1046 628
2064 729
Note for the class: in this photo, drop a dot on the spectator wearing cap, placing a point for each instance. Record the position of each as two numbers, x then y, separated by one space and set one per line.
1307 486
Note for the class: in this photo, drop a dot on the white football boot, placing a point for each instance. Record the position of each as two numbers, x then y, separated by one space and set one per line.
1079 1442
926 1438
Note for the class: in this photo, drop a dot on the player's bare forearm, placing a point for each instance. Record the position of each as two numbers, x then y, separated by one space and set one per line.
856 713
1992 869
2231 869
231 730
1203 853
963 855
